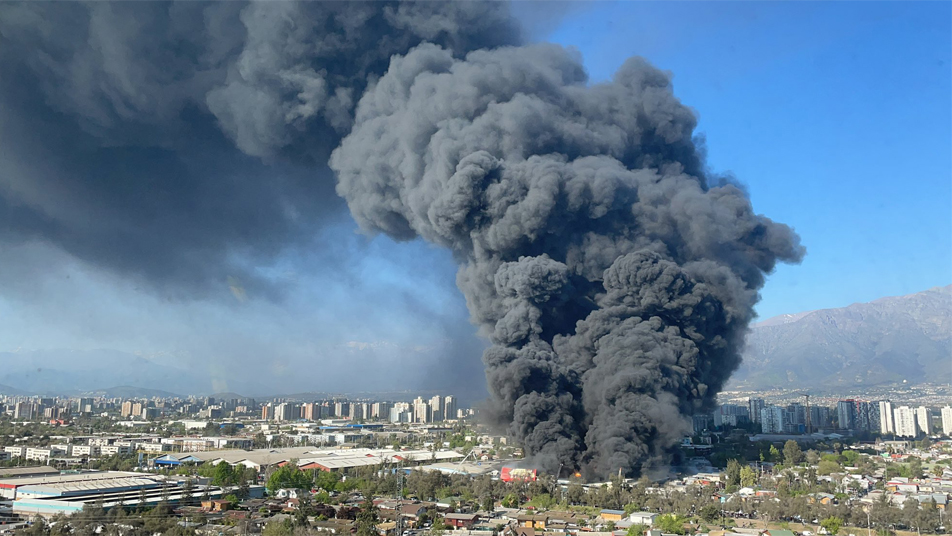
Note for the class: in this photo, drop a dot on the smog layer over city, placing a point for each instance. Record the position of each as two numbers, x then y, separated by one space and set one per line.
409 268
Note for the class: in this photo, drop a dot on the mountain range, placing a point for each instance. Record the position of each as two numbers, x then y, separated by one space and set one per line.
890 340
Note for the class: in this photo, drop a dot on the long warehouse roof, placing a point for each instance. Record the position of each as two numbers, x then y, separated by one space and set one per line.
9 483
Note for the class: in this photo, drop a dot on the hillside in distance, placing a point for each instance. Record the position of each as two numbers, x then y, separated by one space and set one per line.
885 341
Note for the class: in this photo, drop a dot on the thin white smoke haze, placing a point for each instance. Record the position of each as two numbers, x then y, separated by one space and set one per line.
613 274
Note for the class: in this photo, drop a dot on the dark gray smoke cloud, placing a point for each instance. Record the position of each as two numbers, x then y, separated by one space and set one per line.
182 143
613 275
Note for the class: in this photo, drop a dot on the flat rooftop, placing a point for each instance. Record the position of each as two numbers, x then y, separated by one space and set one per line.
67 478
21 472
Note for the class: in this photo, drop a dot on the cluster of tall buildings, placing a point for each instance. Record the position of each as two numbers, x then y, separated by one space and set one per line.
793 418
848 415
905 421
139 409
858 415
435 409
39 408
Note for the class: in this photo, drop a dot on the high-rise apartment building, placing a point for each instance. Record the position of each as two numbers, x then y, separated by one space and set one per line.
449 408
381 410
924 419
286 411
771 419
947 420
436 409
401 412
342 409
85 405
886 417
421 411
126 410
846 414
904 420
754 407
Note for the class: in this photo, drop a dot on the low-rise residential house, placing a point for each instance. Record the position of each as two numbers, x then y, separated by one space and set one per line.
460 521
941 499
537 522
612 515
216 505
642 518
412 512
821 498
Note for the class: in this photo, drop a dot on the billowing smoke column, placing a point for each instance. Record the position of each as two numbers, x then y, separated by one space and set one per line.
181 142
614 278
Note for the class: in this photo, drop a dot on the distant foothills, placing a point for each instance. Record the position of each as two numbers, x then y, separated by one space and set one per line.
903 339
895 340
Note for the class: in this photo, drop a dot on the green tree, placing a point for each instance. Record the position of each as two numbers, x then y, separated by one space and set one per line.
671 524
636 530
748 477
915 467
439 525
224 475
278 528
732 472
709 513
850 457
774 454
367 519
826 467
792 455
510 501
832 524
288 477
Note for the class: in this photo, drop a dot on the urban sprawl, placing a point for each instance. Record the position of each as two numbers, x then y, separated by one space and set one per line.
775 463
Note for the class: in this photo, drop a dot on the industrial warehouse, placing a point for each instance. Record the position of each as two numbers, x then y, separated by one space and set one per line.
51 494
311 458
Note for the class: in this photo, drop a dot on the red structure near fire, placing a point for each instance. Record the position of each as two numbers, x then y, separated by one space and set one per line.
514 474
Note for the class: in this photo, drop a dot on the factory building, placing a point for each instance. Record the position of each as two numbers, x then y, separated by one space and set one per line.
49 495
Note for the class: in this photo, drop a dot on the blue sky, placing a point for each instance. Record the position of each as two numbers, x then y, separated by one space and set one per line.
835 115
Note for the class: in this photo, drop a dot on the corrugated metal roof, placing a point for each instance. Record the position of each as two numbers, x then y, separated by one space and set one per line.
65 478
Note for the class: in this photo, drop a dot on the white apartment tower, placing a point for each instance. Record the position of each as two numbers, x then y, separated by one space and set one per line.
449 408
947 420
924 419
421 411
886 425
904 420
436 409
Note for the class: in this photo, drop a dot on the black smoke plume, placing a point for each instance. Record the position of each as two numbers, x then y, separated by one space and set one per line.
614 277
180 143
185 142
